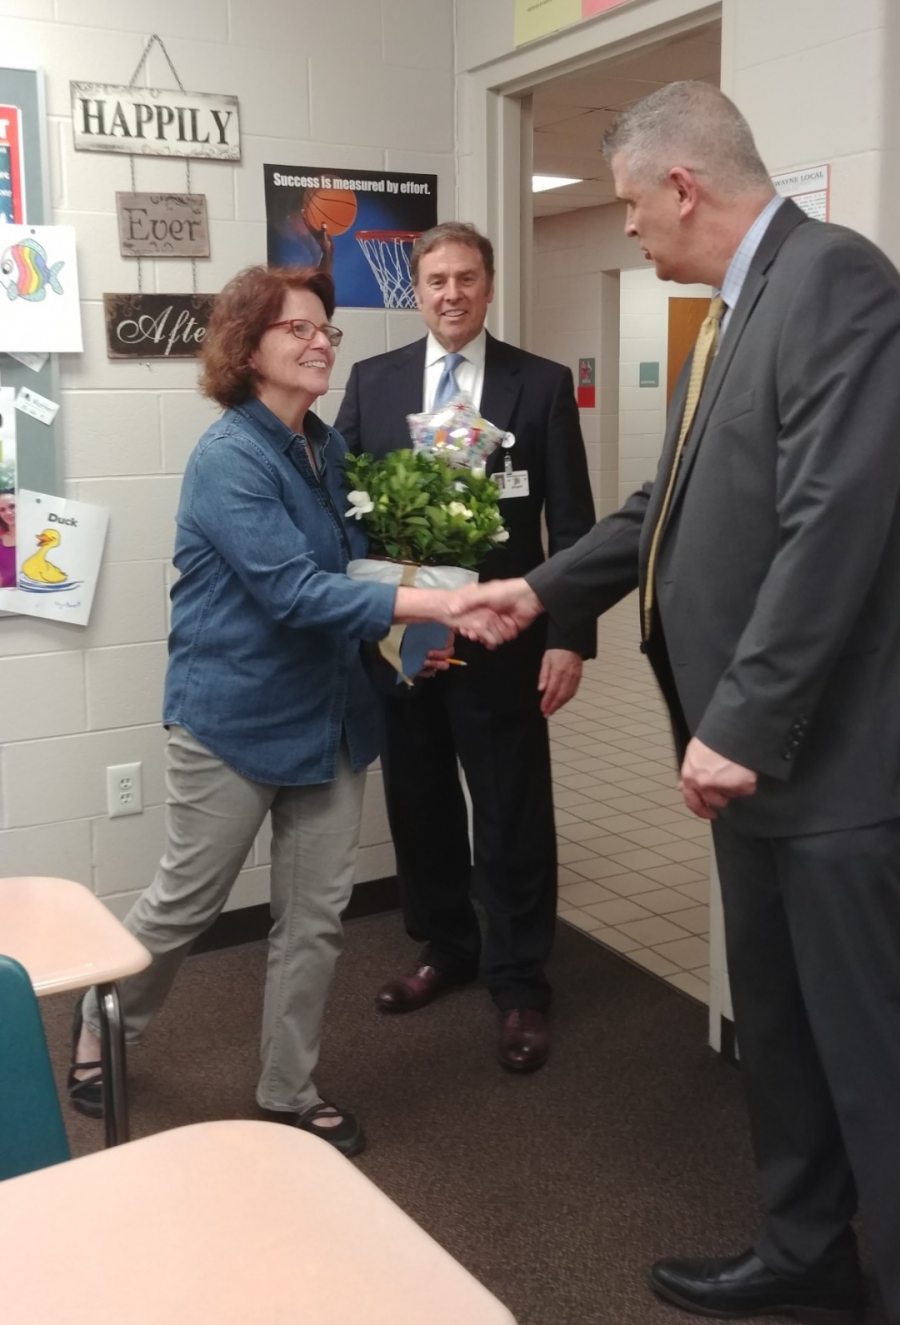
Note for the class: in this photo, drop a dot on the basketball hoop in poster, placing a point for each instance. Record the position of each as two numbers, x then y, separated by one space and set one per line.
387 253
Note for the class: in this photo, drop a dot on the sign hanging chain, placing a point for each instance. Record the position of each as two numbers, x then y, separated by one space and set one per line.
156 40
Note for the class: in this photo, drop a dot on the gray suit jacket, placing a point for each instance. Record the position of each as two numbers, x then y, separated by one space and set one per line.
777 630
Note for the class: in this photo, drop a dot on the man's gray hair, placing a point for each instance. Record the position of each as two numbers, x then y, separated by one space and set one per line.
452 232
690 124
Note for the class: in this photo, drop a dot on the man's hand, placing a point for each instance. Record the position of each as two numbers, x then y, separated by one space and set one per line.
437 660
513 601
709 780
559 679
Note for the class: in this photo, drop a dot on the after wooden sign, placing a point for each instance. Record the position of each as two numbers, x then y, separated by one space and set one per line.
147 121
156 326
162 225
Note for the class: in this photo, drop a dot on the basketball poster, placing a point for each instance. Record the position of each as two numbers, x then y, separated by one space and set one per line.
359 224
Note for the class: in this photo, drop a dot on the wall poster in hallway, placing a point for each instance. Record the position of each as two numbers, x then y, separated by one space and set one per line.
358 224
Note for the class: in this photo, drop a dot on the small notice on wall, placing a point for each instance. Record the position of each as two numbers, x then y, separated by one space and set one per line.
39 289
59 547
809 188
587 383
12 166
538 18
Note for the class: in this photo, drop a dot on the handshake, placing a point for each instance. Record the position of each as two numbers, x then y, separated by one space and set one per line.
489 613
492 613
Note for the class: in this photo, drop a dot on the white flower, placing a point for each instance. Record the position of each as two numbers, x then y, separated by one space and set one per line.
459 487
501 536
457 508
360 504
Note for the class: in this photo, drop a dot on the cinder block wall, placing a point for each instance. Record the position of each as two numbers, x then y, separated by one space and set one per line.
352 83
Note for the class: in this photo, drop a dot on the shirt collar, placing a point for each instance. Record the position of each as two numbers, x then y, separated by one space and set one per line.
474 352
278 433
745 252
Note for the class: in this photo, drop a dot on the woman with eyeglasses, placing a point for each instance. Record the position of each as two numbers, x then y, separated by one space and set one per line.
268 707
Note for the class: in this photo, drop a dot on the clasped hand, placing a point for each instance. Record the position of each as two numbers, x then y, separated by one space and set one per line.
495 612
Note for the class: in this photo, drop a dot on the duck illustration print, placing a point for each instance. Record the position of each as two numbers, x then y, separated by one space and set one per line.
39 298
59 545
38 573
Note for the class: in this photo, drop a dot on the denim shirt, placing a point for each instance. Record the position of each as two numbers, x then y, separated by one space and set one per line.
264 651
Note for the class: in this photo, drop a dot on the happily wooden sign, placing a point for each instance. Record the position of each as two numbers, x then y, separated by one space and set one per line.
147 121
162 225
156 326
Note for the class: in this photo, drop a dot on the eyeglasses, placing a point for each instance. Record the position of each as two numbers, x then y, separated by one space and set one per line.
304 330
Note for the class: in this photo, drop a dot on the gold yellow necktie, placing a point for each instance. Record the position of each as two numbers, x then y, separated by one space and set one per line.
704 353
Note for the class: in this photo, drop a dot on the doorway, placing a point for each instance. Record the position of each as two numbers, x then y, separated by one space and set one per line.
634 864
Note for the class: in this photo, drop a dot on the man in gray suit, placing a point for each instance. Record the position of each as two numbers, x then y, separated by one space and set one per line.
767 553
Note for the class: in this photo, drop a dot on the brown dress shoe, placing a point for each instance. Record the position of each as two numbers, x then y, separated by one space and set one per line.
524 1040
417 988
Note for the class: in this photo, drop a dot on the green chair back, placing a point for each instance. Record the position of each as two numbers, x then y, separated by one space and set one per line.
32 1135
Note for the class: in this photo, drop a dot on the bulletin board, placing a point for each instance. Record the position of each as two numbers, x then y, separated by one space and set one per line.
38 451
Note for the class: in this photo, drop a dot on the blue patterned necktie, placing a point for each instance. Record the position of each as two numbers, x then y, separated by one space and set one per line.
448 386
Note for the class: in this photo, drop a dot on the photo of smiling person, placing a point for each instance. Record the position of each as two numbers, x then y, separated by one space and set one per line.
7 537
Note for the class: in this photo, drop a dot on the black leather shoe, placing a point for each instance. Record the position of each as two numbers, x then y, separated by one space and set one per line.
418 987
347 1136
524 1040
85 1094
831 1293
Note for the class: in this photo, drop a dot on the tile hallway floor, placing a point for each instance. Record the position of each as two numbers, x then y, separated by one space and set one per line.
633 861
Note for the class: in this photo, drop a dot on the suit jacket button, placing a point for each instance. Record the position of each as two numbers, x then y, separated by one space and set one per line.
787 755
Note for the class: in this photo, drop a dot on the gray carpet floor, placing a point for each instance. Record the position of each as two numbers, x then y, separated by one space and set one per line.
556 1190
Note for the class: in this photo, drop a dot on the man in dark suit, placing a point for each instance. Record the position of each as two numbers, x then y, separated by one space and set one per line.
490 715
768 558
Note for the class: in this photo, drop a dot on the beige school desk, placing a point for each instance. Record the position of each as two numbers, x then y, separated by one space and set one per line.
66 939
231 1223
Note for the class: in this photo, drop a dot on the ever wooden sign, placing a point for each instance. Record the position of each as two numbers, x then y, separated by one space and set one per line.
156 326
162 225
148 121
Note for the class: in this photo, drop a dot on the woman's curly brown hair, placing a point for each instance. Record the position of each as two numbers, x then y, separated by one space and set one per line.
241 313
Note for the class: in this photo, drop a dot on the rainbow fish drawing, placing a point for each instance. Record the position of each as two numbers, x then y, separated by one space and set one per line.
25 273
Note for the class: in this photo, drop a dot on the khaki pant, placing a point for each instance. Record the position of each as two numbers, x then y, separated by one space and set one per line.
213 816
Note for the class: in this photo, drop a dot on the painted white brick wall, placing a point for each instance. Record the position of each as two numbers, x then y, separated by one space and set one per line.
352 83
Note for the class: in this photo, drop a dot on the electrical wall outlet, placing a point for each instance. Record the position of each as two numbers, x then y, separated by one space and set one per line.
124 792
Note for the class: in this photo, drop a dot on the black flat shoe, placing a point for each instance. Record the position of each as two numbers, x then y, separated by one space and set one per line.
85 1094
346 1136
831 1293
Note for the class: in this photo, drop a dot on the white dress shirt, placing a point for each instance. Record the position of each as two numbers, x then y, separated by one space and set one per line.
469 375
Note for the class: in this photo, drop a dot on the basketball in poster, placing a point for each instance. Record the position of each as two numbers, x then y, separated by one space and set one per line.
359 224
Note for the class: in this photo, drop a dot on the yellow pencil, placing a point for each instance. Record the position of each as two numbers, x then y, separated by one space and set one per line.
457 662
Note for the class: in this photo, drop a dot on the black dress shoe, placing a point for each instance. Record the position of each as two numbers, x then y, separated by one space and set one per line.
524 1040
418 987
830 1293
85 1093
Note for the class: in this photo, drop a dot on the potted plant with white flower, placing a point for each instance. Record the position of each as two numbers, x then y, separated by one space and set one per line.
429 525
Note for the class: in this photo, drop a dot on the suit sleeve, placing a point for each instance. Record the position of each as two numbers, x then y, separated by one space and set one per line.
347 422
580 583
837 484
569 504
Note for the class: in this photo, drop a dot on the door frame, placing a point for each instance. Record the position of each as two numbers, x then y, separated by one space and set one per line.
494 130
